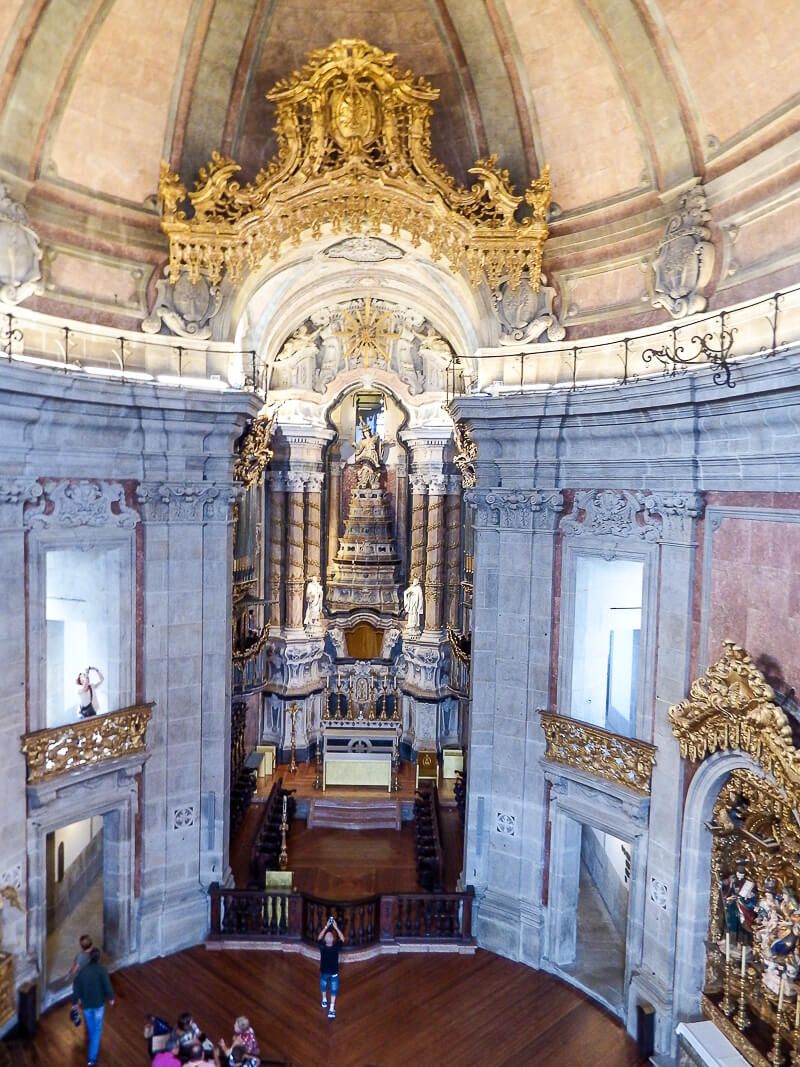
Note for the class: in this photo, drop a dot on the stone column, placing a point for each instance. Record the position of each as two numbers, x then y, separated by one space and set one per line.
334 505
313 518
434 570
419 492
295 583
452 507
277 535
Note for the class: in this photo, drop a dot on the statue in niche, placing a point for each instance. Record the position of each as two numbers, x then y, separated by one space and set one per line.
368 449
390 639
368 477
314 596
336 634
412 603
87 687
739 901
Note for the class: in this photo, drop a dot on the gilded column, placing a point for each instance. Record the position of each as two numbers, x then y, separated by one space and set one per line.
277 528
313 518
419 492
295 583
452 507
434 556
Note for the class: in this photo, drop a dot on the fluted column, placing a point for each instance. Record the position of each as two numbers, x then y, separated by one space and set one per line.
434 556
452 508
277 530
313 518
419 493
295 583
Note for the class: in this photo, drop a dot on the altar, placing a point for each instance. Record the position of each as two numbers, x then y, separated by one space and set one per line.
358 756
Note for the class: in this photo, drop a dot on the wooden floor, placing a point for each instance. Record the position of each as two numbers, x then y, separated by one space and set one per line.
404 1011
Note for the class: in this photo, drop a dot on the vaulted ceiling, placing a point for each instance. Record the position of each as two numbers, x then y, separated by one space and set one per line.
627 100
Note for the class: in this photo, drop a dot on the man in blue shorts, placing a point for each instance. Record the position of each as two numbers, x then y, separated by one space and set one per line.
329 963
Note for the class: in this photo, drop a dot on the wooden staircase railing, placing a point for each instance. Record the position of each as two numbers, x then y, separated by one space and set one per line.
273 915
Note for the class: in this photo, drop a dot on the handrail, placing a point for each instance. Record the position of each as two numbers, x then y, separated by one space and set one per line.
717 340
277 915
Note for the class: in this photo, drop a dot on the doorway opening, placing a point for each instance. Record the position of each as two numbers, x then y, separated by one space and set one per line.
75 858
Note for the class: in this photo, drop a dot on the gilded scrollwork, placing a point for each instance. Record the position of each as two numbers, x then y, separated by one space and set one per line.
466 454
621 760
78 745
254 452
354 156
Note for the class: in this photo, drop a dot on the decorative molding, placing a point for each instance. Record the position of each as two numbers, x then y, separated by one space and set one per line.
20 252
526 315
466 454
183 818
620 513
253 451
364 249
82 503
186 307
658 894
505 824
622 760
78 745
516 509
186 501
684 260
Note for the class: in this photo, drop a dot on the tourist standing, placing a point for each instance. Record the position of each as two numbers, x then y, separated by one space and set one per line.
329 963
93 990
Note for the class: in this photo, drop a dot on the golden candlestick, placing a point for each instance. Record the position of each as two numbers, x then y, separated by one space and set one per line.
775 1058
371 712
740 1018
796 1040
293 711
318 763
727 1003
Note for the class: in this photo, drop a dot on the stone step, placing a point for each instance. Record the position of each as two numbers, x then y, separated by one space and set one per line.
352 814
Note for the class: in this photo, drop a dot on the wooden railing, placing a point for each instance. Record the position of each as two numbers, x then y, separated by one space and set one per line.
272 915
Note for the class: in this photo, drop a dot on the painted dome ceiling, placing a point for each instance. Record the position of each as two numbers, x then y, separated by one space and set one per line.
628 101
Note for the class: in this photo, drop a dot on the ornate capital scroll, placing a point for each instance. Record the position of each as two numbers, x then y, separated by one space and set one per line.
516 509
354 157
254 452
186 501
650 517
621 760
733 707
82 503
85 743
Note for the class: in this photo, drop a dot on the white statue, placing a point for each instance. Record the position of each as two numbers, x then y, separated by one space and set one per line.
412 603
313 602
390 639
336 634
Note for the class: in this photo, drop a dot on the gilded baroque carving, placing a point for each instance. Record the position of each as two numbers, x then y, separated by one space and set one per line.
253 451
527 315
354 155
185 307
466 454
82 503
684 261
86 743
20 252
621 760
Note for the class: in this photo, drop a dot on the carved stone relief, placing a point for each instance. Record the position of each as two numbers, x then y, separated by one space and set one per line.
620 513
516 509
20 252
525 315
362 333
185 308
186 502
684 261
83 503
363 249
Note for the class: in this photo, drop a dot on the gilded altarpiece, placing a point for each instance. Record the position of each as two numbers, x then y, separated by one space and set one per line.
752 948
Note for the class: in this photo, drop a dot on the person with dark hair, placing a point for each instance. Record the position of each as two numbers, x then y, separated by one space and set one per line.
86 691
93 989
329 963
80 961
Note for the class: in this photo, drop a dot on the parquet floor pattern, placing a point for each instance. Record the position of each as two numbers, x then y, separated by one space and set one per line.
400 1011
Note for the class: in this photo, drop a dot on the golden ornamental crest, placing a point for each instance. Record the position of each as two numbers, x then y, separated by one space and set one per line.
354 156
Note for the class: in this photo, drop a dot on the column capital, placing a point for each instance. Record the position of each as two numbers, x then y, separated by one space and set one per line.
295 481
516 509
187 502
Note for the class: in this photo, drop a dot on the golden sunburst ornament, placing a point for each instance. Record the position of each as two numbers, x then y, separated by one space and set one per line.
366 335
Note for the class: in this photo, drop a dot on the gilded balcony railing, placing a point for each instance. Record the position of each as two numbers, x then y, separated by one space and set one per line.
622 760
76 745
